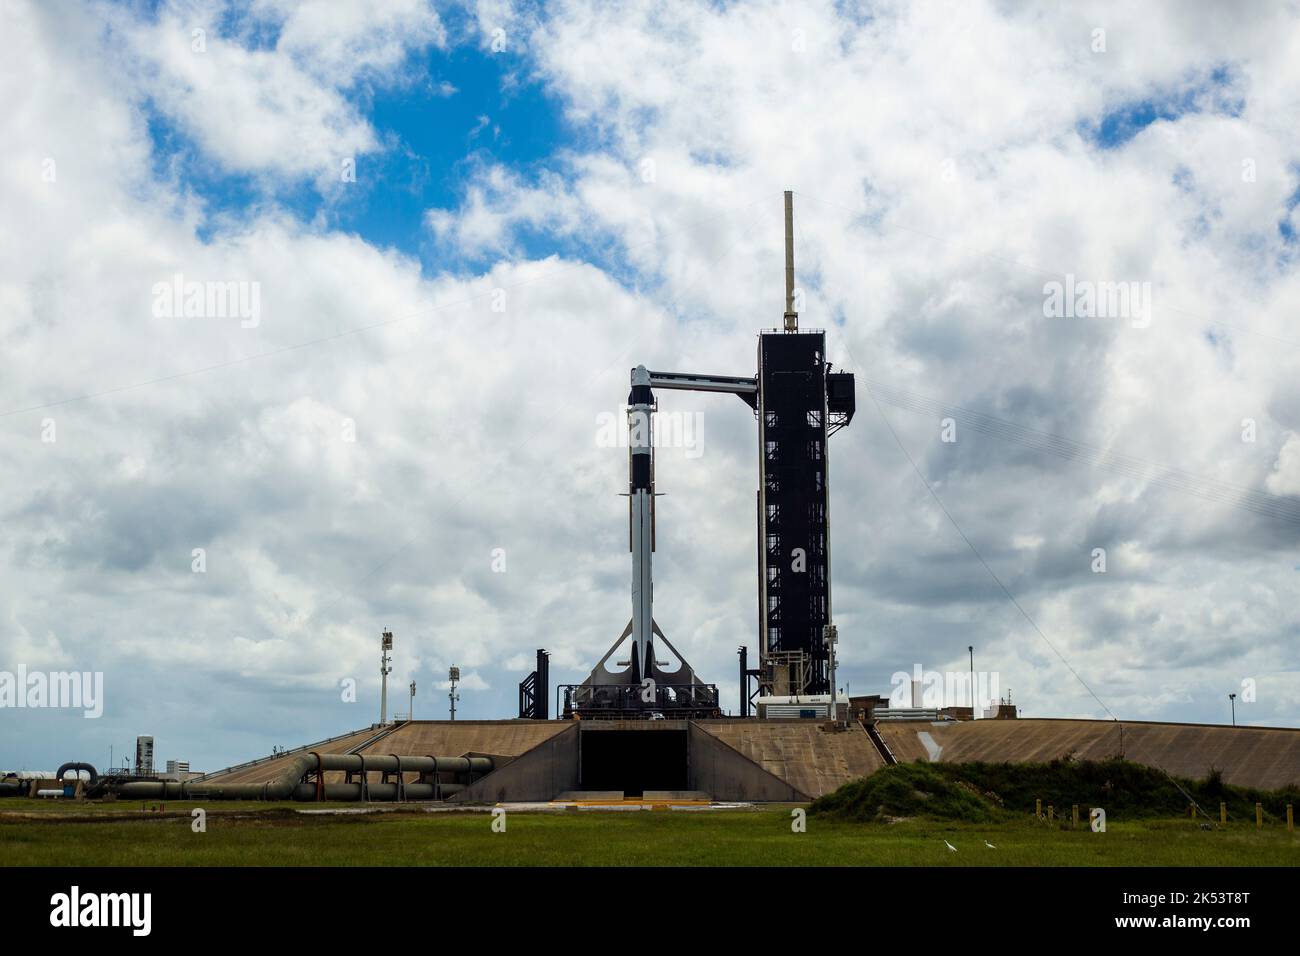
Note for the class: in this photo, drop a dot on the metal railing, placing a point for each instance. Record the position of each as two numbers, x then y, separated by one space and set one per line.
615 700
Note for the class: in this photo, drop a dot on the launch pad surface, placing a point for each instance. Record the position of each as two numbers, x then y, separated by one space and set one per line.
734 759
1266 758
778 761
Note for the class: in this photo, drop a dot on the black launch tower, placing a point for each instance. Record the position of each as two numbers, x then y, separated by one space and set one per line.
801 402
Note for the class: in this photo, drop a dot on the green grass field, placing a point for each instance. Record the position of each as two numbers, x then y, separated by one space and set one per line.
260 834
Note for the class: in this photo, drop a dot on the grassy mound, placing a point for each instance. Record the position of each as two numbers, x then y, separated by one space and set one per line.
908 790
982 792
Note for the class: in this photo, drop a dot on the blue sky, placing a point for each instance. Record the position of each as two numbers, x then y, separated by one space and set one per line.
1215 90
457 110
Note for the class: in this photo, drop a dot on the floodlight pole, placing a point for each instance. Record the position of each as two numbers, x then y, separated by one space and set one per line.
385 668
830 633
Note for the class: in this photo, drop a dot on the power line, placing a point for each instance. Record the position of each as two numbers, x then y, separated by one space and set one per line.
979 557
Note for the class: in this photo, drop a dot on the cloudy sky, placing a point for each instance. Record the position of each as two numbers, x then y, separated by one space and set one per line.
453 228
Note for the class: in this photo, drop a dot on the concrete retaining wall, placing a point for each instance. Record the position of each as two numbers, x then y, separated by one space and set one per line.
540 774
726 774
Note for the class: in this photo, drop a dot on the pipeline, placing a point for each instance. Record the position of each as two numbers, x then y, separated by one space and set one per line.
13 787
289 785
94 776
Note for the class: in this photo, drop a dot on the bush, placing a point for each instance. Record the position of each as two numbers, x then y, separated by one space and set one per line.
907 790
982 792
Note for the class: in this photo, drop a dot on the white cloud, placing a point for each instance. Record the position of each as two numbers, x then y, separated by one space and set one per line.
498 205
281 109
475 429
1285 477
344 42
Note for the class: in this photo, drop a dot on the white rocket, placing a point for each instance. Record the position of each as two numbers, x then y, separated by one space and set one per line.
641 511
676 688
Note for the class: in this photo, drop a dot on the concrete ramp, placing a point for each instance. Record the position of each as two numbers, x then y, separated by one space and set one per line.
266 769
454 738
1263 757
504 740
726 774
799 753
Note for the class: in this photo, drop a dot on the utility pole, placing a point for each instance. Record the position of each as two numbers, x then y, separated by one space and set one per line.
1232 699
971 649
743 653
454 676
385 668
410 711
831 635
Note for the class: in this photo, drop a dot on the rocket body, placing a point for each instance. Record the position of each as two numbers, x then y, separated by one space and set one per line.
640 408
